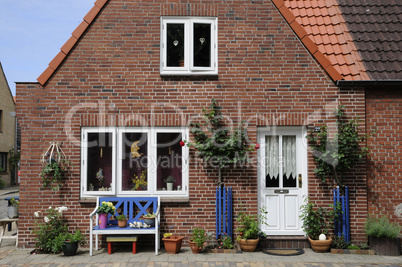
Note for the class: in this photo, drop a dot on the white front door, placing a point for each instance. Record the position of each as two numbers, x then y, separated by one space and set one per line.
282 177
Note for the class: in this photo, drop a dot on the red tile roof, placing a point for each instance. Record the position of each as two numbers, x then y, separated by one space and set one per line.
318 23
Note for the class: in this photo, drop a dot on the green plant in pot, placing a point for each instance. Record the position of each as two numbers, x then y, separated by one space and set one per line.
169 182
122 221
316 225
197 240
383 236
13 209
68 242
149 218
249 229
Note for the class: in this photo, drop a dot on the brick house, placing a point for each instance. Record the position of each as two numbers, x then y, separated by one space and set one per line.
123 89
7 127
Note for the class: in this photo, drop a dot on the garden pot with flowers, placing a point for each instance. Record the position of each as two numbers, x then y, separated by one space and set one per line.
197 240
13 209
103 212
249 229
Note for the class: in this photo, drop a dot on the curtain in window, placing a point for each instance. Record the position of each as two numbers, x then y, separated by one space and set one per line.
289 157
272 157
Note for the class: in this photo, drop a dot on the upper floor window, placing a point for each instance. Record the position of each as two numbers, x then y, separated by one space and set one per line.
189 46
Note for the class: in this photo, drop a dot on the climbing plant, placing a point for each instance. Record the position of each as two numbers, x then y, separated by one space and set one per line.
336 154
218 145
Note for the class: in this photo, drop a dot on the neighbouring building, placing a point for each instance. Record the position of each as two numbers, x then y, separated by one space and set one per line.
121 93
7 127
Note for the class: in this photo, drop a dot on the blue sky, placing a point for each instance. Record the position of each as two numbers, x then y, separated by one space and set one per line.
32 33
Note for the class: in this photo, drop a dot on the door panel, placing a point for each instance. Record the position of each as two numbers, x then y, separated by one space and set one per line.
283 159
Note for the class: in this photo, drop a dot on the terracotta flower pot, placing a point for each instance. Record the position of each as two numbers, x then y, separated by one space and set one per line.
122 224
194 248
248 245
173 244
320 246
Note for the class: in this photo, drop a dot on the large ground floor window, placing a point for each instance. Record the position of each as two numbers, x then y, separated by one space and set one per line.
126 161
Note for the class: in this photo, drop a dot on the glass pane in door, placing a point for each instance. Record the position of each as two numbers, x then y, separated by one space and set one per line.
272 161
289 161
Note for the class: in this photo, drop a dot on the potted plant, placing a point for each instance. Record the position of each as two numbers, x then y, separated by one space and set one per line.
172 243
383 236
55 164
315 225
13 209
139 183
103 211
149 218
68 242
249 229
122 221
197 240
169 182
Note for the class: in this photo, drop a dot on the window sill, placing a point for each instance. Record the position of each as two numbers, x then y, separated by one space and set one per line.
87 200
188 74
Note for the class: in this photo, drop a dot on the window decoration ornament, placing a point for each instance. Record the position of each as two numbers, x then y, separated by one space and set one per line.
135 149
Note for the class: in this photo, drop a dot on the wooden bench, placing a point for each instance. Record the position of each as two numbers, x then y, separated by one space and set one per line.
3 225
134 208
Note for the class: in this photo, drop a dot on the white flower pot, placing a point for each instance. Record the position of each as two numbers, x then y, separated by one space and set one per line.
13 212
169 186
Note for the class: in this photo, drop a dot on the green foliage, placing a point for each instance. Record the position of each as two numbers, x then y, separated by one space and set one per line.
170 179
381 228
121 217
218 145
15 203
2 183
339 242
249 225
227 242
337 153
198 236
53 172
317 221
364 246
352 246
106 207
67 238
48 229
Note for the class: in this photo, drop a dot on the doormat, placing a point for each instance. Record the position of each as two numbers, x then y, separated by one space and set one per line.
283 252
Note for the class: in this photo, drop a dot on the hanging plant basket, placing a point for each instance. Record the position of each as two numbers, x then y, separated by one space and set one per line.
54 163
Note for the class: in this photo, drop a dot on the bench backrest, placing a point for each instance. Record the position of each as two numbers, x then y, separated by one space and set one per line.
132 207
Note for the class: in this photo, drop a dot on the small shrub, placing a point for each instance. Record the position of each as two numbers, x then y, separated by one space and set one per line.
351 246
227 242
364 246
381 227
338 242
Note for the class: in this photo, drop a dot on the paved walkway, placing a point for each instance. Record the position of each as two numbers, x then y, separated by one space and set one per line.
10 256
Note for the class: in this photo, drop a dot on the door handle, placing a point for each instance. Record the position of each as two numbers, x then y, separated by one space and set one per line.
300 180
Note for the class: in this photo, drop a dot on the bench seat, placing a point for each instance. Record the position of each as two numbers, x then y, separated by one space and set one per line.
134 208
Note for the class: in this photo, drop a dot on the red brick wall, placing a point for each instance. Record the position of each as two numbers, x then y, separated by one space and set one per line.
384 114
266 77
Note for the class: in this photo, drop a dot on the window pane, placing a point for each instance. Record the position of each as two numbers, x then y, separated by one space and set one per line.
99 161
135 162
202 45
289 161
169 160
175 45
272 161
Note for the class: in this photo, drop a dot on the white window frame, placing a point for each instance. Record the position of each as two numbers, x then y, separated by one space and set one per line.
84 155
188 68
152 156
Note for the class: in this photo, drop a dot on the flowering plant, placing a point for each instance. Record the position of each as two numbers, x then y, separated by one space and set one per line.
100 177
198 236
139 181
106 207
48 228
14 202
